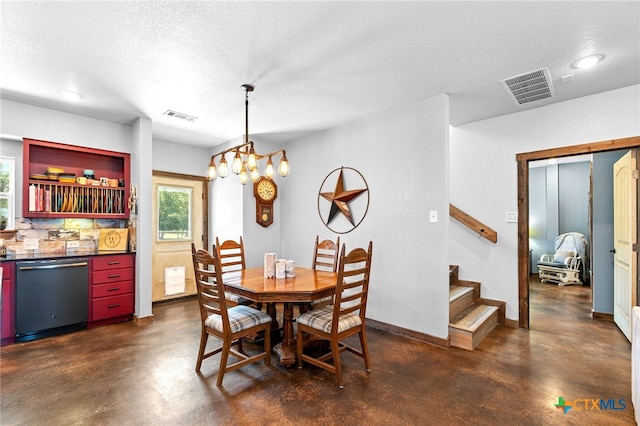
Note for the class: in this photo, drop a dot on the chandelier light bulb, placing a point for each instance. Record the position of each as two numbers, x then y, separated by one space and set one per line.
243 176
211 171
268 172
223 169
283 168
252 162
255 175
237 163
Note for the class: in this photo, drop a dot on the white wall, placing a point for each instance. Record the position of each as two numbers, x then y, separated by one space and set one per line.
141 177
179 158
26 121
403 156
483 176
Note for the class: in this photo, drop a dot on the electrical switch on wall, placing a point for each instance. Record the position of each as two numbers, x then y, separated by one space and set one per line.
30 244
433 216
512 217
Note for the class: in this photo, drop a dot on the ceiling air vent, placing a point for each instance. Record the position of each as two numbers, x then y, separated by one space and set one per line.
529 87
180 115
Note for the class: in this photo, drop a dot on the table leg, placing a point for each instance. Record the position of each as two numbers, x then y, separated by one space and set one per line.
287 349
275 327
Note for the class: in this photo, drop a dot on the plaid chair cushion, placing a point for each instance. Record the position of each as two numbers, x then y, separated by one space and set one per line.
238 300
241 317
320 319
324 299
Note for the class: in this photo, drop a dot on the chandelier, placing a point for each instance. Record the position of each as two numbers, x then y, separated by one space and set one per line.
245 157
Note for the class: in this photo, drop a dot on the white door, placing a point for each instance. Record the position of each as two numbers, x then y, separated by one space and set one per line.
178 221
624 230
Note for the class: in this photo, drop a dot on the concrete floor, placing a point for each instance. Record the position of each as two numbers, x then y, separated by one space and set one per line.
144 375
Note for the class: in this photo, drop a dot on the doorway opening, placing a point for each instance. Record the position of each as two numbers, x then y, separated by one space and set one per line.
179 220
524 259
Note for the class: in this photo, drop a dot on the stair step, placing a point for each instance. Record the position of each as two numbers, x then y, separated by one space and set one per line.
472 326
474 318
458 291
460 298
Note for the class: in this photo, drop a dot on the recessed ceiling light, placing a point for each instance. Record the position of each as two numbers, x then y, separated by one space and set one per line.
587 61
71 96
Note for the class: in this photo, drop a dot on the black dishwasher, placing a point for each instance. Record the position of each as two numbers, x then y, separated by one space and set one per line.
52 297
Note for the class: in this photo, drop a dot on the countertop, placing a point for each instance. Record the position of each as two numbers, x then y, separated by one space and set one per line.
70 255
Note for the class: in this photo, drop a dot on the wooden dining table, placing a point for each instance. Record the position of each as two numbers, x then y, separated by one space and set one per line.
307 285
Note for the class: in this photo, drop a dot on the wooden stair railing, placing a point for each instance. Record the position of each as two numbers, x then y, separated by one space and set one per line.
473 224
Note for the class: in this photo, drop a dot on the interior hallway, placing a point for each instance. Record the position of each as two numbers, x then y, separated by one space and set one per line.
144 375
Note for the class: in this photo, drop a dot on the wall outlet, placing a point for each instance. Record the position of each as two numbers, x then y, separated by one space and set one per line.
31 244
512 217
73 244
433 216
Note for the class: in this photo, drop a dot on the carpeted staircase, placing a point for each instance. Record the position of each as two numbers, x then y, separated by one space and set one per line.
471 317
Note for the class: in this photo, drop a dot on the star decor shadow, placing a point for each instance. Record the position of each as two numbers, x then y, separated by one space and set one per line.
340 199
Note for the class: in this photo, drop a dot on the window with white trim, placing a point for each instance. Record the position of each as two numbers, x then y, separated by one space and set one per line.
7 192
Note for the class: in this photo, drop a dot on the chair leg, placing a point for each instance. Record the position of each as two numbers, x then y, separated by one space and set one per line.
203 344
335 349
226 347
299 348
365 349
267 344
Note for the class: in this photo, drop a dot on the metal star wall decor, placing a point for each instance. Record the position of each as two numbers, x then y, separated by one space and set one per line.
340 200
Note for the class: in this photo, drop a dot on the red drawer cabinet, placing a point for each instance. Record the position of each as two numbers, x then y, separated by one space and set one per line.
115 289
8 322
112 275
112 288
113 261
112 307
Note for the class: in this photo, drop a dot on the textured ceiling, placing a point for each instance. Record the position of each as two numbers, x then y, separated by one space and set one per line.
314 64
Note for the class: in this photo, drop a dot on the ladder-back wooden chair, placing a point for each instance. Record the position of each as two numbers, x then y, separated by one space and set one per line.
231 255
229 324
232 299
325 255
325 258
344 318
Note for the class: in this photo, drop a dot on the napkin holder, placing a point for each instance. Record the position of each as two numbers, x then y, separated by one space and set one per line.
290 269
281 268
269 265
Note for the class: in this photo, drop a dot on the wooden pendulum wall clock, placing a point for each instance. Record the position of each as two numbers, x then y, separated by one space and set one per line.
265 191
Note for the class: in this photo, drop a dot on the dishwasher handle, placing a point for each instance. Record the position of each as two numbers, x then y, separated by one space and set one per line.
53 266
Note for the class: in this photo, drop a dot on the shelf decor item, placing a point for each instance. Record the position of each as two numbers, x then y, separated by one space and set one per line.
113 239
133 198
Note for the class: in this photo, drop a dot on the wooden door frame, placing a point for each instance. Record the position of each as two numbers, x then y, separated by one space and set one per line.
523 160
205 199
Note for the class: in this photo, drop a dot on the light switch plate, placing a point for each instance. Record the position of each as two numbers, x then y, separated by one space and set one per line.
512 217
31 244
73 244
433 216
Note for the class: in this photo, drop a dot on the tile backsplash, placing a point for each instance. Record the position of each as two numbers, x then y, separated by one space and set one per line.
59 236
